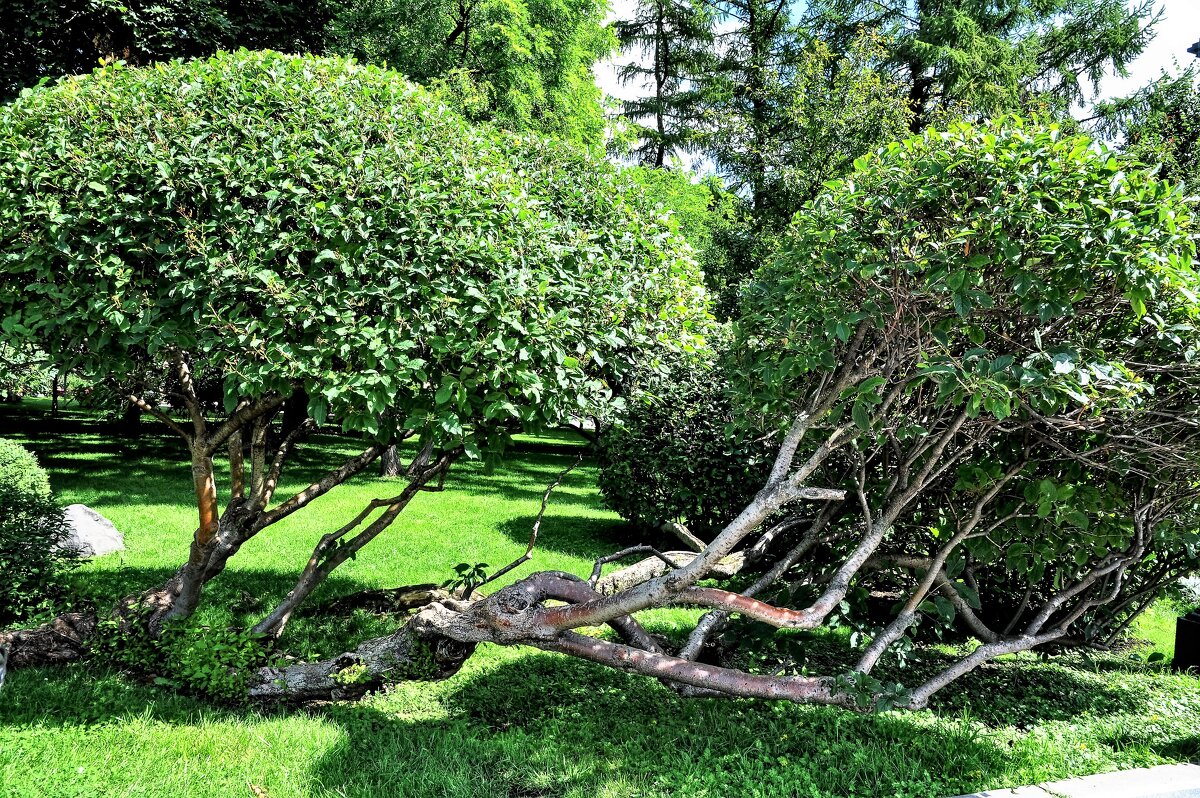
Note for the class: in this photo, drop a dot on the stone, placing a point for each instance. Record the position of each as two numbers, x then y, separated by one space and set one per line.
92 535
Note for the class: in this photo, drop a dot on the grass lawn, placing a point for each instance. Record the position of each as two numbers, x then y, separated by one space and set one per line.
514 722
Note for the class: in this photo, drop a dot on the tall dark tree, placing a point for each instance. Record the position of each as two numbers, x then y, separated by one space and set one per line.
50 38
672 41
991 56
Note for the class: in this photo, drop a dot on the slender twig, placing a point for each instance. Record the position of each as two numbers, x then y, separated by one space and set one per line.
533 535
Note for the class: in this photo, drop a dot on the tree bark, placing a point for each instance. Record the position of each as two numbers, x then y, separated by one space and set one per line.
389 462
61 641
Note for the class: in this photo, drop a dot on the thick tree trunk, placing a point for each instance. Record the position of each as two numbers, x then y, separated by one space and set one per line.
389 462
63 640
131 421
416 651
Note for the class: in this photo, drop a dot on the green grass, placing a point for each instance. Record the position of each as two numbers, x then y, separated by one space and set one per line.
514 722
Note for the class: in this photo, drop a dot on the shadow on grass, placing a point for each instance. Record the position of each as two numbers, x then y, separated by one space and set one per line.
522 723
542 725
579 536
86 451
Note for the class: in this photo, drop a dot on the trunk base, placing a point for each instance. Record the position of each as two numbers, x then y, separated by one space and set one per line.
61 641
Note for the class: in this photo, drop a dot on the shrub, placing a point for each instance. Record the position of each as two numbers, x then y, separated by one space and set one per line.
32 532
673 457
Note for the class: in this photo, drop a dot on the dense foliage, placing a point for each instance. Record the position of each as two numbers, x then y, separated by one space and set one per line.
295 222
33 559
1160 124
521 64
1018 347
965 57
674 454
50 38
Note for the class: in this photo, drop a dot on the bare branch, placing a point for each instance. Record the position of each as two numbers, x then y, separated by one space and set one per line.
146 407
533 535
319 488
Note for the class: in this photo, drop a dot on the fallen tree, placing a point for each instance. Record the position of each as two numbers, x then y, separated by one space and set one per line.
976 356
984 343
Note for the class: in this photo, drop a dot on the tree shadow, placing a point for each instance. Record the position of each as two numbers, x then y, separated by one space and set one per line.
542 725
518 722
578 536
85 452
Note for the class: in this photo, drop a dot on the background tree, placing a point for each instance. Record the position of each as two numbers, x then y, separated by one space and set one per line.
1159 124
43 39
23 371
450 282
524 65
672 42
984 58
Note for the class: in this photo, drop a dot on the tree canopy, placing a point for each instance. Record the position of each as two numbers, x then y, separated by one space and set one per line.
979 349
312 223
42 39
524 65
298 228
985 58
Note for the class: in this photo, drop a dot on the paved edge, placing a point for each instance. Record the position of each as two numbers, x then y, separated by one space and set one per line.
1166 780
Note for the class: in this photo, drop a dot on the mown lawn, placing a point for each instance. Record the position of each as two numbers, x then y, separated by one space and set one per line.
514 722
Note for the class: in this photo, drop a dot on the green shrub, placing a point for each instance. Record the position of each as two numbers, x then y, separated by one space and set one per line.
32 532
672 457
310 223
187 655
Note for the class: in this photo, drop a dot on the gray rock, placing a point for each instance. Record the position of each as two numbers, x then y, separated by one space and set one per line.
1191 588
92 535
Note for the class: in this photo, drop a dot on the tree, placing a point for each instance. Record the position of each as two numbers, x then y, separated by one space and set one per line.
1159 124
978 341
672 39
43 39
274 227
523 65
777 111
982 58
22 371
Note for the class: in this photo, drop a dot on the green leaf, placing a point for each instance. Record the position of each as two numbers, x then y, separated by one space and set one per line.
861 416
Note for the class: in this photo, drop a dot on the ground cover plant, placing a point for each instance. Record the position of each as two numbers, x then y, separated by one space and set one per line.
514 721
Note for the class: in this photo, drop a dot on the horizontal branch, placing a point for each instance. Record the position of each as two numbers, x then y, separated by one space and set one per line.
800 689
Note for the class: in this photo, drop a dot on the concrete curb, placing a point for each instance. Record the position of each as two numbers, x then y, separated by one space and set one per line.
1164 781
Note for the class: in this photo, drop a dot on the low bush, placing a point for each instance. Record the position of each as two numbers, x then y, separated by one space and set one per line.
33 558
673 456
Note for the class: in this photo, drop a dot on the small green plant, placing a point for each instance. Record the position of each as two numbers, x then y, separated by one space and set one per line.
869 692
33 555
356 673
187 655
467 576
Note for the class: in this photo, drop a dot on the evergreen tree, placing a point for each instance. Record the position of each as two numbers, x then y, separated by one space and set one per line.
990 56
1159 124
673 41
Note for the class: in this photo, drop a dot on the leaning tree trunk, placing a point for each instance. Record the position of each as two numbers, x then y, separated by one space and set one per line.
389 462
